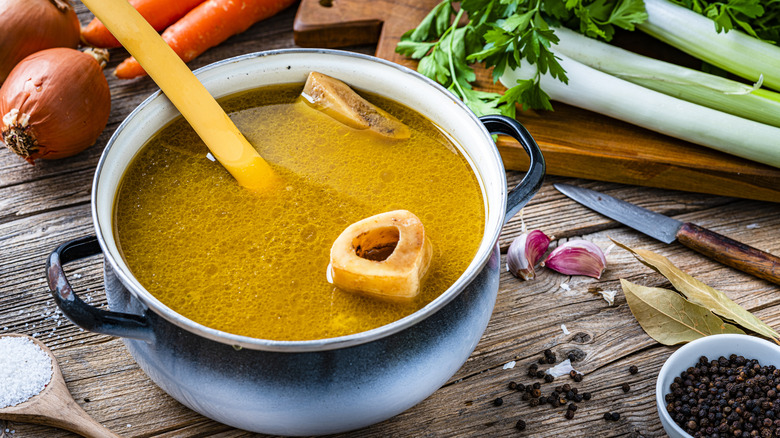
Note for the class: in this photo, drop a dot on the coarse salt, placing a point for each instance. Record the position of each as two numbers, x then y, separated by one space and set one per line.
25 370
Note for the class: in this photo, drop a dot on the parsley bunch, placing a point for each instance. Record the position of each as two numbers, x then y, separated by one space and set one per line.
760 19
502 34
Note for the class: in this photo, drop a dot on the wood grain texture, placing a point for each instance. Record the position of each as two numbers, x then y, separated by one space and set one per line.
47 204
575 142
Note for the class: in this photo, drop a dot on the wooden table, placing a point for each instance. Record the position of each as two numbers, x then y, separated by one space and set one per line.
48 204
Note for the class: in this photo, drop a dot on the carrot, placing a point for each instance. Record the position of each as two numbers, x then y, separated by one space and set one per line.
206 26
159 13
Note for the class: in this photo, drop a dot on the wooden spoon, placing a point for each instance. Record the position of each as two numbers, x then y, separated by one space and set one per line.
54 406
186 93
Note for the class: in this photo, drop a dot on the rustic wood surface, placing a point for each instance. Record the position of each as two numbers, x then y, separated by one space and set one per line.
48 204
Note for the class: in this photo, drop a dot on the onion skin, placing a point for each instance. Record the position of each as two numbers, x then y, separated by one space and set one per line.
32 25
54 104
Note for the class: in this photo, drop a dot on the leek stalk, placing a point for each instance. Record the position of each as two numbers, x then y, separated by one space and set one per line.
694 86
596 91
733 51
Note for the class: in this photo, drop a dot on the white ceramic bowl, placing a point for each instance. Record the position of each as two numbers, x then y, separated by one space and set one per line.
713 347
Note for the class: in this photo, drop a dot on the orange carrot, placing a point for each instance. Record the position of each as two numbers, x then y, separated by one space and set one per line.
206 26
159 13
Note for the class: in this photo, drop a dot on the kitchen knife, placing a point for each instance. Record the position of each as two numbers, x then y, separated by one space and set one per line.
667 230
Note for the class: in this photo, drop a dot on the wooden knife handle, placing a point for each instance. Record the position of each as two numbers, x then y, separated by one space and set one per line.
730 252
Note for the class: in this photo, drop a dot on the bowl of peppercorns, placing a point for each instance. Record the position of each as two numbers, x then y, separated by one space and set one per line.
721 386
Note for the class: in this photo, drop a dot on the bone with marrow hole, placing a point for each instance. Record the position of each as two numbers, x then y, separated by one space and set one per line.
385 256
338 100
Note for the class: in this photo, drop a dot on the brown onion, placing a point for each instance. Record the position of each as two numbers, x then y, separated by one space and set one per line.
55 103
32 25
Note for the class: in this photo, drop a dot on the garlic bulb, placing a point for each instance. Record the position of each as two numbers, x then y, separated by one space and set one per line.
577 257
524 253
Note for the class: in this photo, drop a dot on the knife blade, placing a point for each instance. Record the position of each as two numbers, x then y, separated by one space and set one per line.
667 230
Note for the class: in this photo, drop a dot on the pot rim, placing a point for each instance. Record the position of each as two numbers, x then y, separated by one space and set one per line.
478 262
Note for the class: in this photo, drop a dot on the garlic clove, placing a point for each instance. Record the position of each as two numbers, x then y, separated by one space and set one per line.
524 253
577 257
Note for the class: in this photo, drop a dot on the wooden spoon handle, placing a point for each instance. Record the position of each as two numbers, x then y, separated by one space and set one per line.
730 252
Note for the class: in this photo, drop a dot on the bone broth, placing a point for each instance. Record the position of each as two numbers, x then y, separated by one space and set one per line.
255 264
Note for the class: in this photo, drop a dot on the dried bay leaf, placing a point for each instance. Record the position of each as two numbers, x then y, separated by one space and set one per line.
703 295
669 318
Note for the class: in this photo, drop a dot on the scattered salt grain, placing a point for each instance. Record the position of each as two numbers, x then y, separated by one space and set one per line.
565 286
509 365
76 276
25 370
752 226
562 369
609 296
565 330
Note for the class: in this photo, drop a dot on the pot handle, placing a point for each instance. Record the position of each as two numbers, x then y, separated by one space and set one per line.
522 193
90 318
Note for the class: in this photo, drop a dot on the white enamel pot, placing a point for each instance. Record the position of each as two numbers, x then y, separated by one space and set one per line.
302 387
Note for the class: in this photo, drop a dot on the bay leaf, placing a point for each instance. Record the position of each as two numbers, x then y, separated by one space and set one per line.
702 294
669 318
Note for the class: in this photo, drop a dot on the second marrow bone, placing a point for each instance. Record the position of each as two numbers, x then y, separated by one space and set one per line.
339 101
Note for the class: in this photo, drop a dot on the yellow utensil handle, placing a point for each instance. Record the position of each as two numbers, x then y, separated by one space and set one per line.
184 90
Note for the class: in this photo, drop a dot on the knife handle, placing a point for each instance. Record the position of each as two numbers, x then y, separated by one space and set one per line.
730 252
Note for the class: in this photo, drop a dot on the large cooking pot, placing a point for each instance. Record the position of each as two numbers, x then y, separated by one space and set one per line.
302 387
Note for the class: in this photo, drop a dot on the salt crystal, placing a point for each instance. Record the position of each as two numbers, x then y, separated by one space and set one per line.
509 365
562 369
565 331
25 370
752 226
76 276
609 296
565 286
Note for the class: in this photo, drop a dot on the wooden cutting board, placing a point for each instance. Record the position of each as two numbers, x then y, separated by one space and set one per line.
575 142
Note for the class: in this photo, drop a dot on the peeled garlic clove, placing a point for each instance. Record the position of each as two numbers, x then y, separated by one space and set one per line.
338 100
577 257
524 253
384 256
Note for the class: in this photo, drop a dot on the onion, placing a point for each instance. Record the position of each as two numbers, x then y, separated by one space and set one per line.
32 25
55 103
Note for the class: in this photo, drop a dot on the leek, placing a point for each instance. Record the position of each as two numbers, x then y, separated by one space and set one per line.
684 83
596 91
733 51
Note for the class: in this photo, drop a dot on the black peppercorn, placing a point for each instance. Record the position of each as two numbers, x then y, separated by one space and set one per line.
520 387
534 402
537 385
633 369
615 416
625 387
536 393
571 357
571 407
569 414
578 397
542 360
498 401
731 396
586 395
525 397
540 374
607 416
512 385
520 425
577 378
548 378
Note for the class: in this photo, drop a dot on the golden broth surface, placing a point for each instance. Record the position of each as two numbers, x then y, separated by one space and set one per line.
255 264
